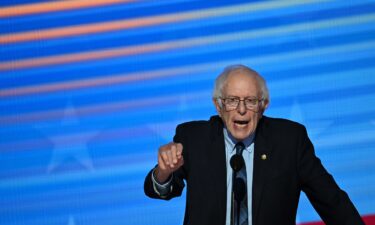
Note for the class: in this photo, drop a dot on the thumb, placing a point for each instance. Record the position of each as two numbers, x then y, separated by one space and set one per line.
180 162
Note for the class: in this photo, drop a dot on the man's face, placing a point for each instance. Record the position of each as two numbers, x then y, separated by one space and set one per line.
241 122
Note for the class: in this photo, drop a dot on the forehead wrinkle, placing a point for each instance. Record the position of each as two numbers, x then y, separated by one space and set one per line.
238 90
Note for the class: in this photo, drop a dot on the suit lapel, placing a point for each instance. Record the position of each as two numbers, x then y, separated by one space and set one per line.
261 169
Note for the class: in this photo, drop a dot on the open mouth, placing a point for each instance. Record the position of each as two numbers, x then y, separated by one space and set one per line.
241 122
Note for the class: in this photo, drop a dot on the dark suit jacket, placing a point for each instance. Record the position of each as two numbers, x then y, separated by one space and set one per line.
290 166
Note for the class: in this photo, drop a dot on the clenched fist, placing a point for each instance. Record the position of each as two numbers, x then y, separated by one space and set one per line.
169 160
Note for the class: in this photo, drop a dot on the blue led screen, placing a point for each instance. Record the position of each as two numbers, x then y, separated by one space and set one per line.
90 89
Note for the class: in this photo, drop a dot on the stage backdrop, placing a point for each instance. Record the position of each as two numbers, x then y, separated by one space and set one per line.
90 88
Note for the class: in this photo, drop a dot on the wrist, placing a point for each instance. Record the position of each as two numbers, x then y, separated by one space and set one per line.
161 176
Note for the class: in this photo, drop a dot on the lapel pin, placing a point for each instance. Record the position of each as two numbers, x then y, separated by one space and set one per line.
264 157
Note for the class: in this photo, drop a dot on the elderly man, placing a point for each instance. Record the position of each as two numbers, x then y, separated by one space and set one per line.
278 163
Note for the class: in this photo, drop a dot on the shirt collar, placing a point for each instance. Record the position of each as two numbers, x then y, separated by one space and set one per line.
232 141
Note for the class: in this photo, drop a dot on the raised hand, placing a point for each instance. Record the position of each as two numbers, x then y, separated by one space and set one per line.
169 160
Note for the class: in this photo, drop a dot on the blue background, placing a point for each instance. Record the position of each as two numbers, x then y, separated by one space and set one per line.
78 137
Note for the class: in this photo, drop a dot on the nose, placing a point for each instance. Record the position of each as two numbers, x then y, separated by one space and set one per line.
241 109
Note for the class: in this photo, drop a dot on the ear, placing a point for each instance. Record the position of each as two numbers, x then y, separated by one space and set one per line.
217 106
264 106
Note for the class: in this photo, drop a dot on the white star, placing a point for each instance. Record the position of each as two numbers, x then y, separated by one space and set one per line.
69 146
314 128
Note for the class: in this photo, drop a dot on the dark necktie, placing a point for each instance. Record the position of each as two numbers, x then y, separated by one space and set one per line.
240 180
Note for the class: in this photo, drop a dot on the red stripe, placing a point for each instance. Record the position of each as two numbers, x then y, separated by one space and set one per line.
369 220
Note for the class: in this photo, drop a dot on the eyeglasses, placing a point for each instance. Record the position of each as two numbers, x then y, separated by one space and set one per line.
231 103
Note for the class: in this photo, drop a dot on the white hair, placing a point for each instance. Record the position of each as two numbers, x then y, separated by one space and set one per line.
223 76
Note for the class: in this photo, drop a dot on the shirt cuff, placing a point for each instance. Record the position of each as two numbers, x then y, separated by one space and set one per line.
162 189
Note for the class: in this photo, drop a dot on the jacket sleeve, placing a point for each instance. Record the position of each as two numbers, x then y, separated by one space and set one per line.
177 183
332 204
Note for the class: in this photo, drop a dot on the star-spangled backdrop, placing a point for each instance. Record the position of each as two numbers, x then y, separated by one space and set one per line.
90 88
